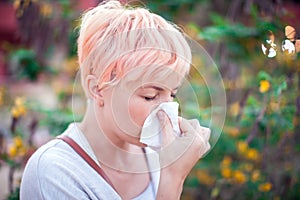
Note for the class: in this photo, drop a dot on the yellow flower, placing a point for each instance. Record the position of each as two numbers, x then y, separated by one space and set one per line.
226 173
239 177
242 147
18 109
252 154
204 177
15 112
226 161
265 187
255 176
17 148
18 142
1 95
232 131
19 101
264 86
234 109
12 151
46 10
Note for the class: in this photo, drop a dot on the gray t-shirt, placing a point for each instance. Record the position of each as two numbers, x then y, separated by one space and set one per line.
56 171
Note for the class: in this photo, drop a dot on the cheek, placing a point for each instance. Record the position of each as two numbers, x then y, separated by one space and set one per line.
139 111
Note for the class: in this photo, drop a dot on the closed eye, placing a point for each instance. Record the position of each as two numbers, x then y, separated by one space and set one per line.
150 98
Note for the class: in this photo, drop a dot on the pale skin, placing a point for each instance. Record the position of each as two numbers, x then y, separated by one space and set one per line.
115 137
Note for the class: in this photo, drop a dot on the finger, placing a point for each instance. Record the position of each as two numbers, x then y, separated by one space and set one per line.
195 123
166 128
203 144
206 132
200 135
203 132
204 150
185 126
203 135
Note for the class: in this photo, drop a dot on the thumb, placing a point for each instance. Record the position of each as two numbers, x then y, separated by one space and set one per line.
166 128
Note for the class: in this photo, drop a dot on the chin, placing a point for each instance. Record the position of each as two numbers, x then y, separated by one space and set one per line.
134 141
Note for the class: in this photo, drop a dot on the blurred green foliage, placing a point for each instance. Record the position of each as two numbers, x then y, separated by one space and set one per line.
257 156
24 64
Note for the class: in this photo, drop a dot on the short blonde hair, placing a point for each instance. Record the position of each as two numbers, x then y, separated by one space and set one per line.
115 39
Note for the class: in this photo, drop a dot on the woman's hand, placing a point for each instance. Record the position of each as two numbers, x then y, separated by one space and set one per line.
179 154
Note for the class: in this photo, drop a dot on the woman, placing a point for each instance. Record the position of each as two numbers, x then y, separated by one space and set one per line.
132 63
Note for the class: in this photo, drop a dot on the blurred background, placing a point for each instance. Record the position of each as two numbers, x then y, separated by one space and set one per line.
255 45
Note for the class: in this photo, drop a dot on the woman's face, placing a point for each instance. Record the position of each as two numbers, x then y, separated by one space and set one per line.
128 104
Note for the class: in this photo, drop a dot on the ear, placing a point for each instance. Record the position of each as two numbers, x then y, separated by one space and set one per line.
94 92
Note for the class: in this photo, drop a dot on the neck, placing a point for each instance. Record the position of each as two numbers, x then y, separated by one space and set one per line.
109 149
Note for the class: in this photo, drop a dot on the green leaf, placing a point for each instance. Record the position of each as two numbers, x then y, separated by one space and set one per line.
227 32
218 19
25 64
193 26
281 87
215 192
262 75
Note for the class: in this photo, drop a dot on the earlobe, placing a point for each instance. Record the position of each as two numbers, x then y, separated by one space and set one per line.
100 102
94 92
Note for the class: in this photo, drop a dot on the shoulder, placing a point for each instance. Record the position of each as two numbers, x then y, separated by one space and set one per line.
51 171
56 171
54 156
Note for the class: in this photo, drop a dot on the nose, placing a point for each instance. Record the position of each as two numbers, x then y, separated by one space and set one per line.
163 99
166 98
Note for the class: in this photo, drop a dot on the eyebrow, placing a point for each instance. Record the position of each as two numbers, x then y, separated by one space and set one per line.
158 88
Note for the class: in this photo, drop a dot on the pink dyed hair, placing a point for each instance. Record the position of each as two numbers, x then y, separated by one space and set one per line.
115 39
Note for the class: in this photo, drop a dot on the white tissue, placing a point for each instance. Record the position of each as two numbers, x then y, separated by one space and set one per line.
151 132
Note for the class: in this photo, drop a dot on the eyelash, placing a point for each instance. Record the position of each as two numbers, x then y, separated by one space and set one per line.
152 98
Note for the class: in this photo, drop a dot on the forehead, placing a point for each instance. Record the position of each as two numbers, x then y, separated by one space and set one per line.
165 79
